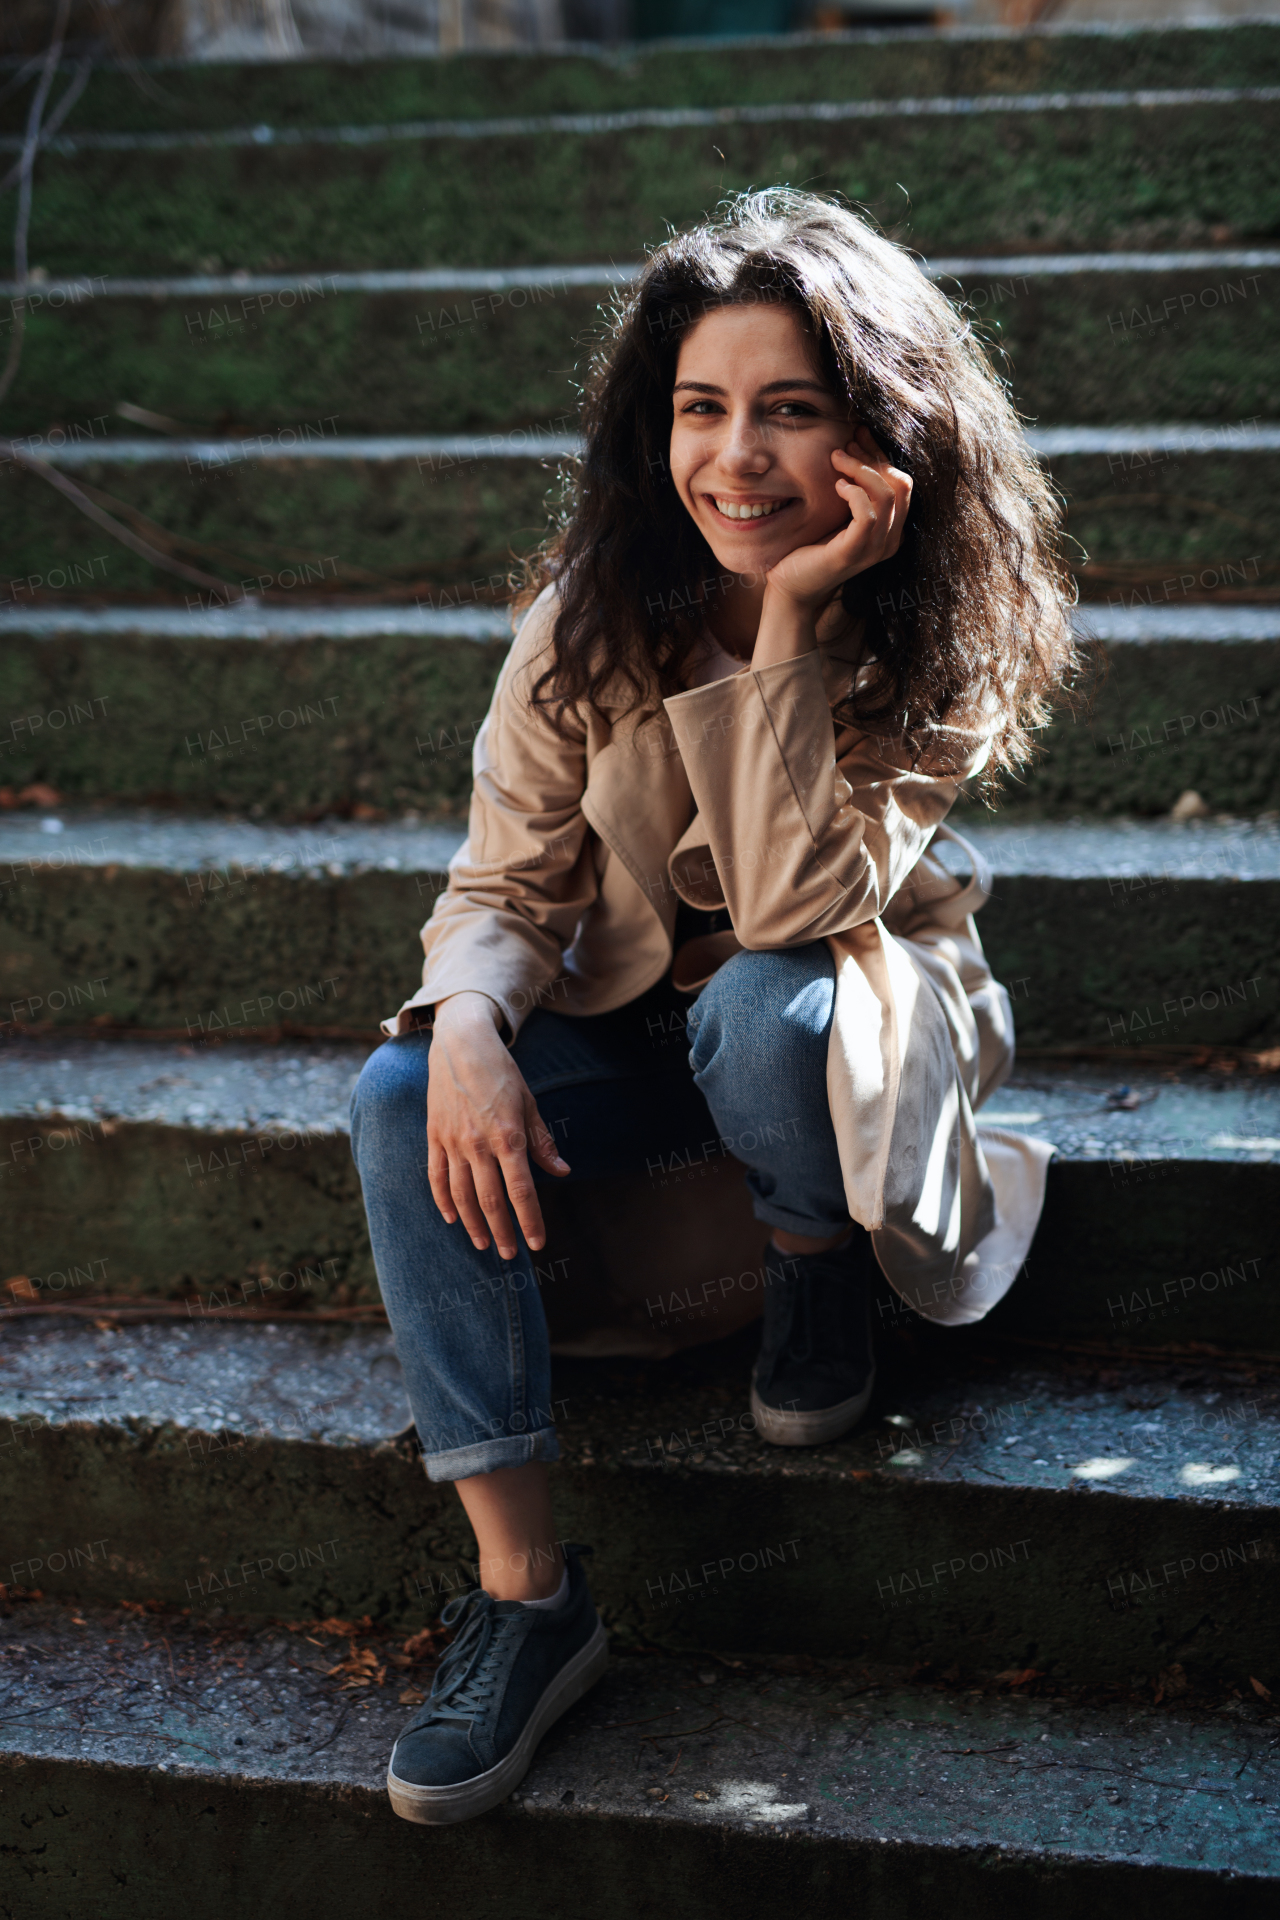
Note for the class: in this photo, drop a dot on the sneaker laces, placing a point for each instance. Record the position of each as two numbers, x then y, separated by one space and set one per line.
468 1673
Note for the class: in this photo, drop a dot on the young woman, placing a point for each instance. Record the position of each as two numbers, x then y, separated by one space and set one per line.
807 583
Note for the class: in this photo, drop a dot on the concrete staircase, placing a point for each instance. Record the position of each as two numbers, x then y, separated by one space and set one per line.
1013 1640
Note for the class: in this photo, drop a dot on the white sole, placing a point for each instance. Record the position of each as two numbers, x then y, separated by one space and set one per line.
443 1806
783 1429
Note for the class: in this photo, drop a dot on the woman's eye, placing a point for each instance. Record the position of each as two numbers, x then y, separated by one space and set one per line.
794 410
702 406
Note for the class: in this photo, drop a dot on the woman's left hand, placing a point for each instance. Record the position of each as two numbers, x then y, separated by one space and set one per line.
878 496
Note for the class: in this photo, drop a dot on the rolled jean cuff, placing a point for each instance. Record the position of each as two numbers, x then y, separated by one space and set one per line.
486 1456
775 1216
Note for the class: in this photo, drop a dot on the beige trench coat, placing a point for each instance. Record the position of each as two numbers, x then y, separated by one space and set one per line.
564 895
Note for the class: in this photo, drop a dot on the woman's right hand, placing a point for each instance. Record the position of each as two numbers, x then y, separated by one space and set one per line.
482 1125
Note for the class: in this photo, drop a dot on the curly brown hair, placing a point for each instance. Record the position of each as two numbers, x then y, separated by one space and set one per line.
968 625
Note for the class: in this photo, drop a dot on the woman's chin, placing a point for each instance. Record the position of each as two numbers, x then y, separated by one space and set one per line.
747 554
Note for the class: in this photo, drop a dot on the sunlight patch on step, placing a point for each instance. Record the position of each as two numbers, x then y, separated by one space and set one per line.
1101 1468
755 1800
1199 1473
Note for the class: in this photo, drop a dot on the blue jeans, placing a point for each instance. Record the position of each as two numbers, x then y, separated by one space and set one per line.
652 1087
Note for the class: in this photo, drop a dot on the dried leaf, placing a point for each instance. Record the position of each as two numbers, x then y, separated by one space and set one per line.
1170 1682
412 1697
1258 1688
338 1629
1018 1676
361 1668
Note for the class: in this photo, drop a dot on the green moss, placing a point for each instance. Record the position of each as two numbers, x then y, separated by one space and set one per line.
990 183
176 957
1101 958
1165 718
1130 511
354 524
323 93
387 722
1098 347
375 524
424 363
1091 951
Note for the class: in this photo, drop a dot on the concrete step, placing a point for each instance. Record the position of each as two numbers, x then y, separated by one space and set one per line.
1189 342
1053 170
1110 936
269 705
219 1177
312 511
237 1767
1092 1519
876 65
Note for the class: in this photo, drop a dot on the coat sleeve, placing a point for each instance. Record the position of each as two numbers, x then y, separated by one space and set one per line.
524 876
805 834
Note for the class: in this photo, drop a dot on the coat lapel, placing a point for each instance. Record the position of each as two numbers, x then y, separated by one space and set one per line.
639 801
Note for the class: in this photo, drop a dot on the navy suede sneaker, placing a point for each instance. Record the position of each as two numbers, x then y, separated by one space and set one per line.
816 1369
508 1675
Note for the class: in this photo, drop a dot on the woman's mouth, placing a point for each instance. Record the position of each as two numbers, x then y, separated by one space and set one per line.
746 509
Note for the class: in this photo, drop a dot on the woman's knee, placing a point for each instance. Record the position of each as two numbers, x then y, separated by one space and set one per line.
762 1011
390 1097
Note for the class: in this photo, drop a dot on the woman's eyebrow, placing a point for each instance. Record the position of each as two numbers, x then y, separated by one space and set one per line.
774 386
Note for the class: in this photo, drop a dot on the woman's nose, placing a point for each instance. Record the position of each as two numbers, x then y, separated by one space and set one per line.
746 448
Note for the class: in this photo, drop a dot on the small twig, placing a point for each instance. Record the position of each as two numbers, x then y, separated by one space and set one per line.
1007 1747
78 498
610 1725
339 1725
52 1707
26 167
169 1650
21 77
873 1686
685 1733
674 1764
79 81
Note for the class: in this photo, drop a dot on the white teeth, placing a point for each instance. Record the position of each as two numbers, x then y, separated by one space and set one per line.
733 512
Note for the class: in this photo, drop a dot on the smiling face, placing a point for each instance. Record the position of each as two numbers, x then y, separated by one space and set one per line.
754 428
